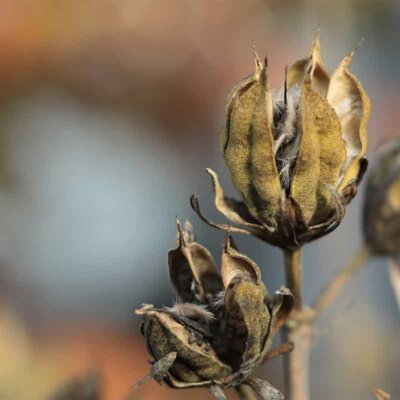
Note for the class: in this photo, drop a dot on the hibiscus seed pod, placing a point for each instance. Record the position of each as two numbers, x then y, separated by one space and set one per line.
296 157
222 325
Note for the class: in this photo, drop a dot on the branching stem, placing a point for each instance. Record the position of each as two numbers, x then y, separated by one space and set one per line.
332 290
300 326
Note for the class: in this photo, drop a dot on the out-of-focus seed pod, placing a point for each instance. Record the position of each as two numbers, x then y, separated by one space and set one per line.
86 388
295 157
382 204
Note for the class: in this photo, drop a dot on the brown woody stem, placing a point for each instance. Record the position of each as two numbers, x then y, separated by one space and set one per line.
293 270
332 290
296 364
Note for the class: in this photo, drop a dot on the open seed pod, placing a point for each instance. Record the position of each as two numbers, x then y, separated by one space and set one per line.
222 325
295 157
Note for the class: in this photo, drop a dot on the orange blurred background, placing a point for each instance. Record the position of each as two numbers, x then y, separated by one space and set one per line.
110 112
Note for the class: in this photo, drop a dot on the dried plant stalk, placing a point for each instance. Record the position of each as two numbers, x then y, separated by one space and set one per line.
293 271
296 364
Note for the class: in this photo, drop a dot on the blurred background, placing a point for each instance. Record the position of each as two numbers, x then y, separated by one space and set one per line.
110 112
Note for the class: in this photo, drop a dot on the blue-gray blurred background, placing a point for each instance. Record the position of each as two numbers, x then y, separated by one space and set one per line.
110 112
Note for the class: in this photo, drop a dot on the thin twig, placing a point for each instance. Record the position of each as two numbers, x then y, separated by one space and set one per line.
381 395
284 348
332 290
394 274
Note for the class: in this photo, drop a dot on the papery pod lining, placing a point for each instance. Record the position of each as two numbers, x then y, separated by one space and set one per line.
190 262
321 155
319 75
352 105
164 335
237 266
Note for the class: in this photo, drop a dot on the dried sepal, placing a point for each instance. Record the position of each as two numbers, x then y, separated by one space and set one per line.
195 204
235 211
264 389
190 263
159 369
352 105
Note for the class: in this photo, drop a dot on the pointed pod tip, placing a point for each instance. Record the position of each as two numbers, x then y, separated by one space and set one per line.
257 60
317 36
181 236
266 62
349 58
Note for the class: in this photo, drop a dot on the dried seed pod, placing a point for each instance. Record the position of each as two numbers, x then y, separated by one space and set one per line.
382 204
297 157
212 339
